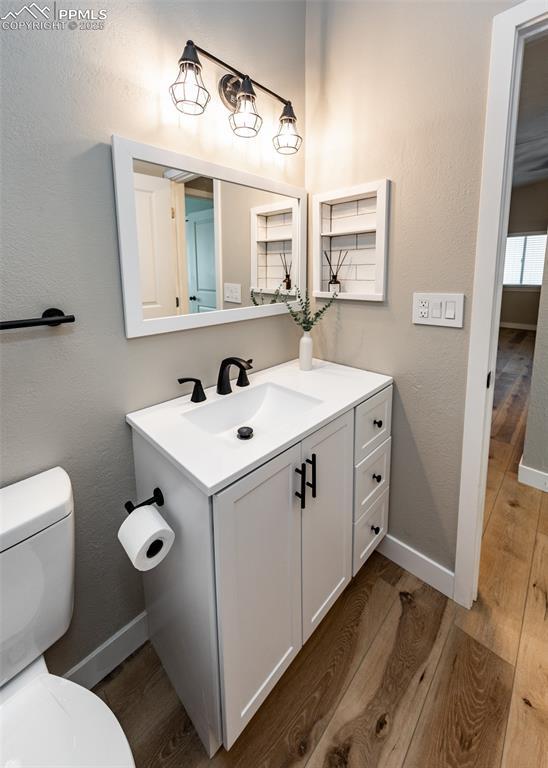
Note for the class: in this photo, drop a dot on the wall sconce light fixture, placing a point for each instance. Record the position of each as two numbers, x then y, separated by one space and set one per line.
287 141
237 93
188 92
245 120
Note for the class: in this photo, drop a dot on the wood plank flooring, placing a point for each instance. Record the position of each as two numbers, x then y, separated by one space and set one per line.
397 675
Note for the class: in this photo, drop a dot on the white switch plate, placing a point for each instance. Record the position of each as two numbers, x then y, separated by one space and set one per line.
233 293
445 309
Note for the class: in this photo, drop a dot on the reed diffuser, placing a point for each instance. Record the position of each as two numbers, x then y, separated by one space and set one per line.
334 284
287 271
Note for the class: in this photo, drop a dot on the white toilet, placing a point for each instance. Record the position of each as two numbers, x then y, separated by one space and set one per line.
45 721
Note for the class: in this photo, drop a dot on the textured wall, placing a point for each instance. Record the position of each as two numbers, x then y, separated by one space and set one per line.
65 392
398 90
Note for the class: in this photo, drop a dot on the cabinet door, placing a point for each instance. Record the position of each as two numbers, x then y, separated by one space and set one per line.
257 531
327 519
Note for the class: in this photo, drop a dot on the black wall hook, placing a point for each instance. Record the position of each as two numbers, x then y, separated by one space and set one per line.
157 498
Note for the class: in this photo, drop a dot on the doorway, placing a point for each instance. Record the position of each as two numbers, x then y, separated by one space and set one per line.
513 30
200 248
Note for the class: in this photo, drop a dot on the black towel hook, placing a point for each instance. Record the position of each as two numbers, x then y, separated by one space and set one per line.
157 498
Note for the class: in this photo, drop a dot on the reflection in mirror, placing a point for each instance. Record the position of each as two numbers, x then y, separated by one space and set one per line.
205 244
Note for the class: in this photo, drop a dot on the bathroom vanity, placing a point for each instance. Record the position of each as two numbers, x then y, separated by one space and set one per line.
268 531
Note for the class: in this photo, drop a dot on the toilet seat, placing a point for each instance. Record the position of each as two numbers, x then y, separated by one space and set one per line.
54 723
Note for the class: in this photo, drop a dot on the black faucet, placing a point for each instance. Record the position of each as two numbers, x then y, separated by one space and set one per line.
223 381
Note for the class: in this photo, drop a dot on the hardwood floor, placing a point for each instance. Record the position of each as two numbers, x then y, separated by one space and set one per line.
397 675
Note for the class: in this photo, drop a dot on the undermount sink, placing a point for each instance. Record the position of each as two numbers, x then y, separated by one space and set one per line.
261 407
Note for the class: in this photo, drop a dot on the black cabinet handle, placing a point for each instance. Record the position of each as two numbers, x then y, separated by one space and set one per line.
193 298
376 529
312 485
302 493
378 478
378 423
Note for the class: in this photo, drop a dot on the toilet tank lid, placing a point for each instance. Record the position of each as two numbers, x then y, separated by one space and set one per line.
31 505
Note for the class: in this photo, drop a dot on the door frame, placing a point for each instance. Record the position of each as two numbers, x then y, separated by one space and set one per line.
510 31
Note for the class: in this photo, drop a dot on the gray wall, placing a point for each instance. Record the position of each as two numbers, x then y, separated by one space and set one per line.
519 306
398 90
65 392
529 208
236 204
535 451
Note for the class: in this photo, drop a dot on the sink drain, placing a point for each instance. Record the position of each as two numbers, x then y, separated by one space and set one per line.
245 433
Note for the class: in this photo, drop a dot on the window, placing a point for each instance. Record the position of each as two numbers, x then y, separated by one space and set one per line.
524 259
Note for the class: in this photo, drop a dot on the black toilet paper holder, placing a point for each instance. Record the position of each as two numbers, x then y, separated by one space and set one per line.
157 498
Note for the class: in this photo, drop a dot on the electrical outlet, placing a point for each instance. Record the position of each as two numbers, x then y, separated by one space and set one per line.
445 309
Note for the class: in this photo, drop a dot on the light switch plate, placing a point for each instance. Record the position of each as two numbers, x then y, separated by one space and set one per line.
233 293
445 309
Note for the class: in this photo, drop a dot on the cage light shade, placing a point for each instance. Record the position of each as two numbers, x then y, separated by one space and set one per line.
287 141
245 120
188 92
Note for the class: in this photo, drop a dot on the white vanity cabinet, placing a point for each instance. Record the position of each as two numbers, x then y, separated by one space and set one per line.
260 557
281 562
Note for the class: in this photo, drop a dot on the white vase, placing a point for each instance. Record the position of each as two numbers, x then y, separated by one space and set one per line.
305 351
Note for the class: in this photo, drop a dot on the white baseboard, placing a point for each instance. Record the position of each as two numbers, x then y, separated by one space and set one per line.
419 565
109 654
530 476
519 326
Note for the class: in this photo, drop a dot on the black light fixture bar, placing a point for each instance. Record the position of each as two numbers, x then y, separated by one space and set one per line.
239 74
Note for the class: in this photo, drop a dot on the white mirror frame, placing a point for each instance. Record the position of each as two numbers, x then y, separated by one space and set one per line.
124 151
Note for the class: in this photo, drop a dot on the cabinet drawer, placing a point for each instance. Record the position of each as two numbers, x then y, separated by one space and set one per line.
369 530
372 477
373 423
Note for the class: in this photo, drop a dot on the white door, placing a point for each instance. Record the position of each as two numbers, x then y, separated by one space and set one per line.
156 236
327 518
200 245
257 532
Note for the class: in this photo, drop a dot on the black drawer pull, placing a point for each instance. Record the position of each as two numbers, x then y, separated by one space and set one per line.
378 423
312 485
376 529
378 478
302 493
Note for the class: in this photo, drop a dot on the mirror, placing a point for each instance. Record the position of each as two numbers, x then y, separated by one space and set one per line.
202 244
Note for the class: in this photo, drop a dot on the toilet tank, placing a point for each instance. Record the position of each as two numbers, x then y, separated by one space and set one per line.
36 567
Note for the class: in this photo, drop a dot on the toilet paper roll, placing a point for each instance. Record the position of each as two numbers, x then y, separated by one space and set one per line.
146 537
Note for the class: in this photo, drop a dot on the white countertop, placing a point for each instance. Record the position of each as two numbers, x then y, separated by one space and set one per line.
214 460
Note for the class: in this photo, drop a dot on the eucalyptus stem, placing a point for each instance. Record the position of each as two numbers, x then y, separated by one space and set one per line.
303 316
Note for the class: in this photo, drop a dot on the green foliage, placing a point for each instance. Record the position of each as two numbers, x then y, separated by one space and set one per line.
304 317
260 301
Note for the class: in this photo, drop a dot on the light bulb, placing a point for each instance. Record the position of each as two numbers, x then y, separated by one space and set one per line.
287 141
188 92
245 120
